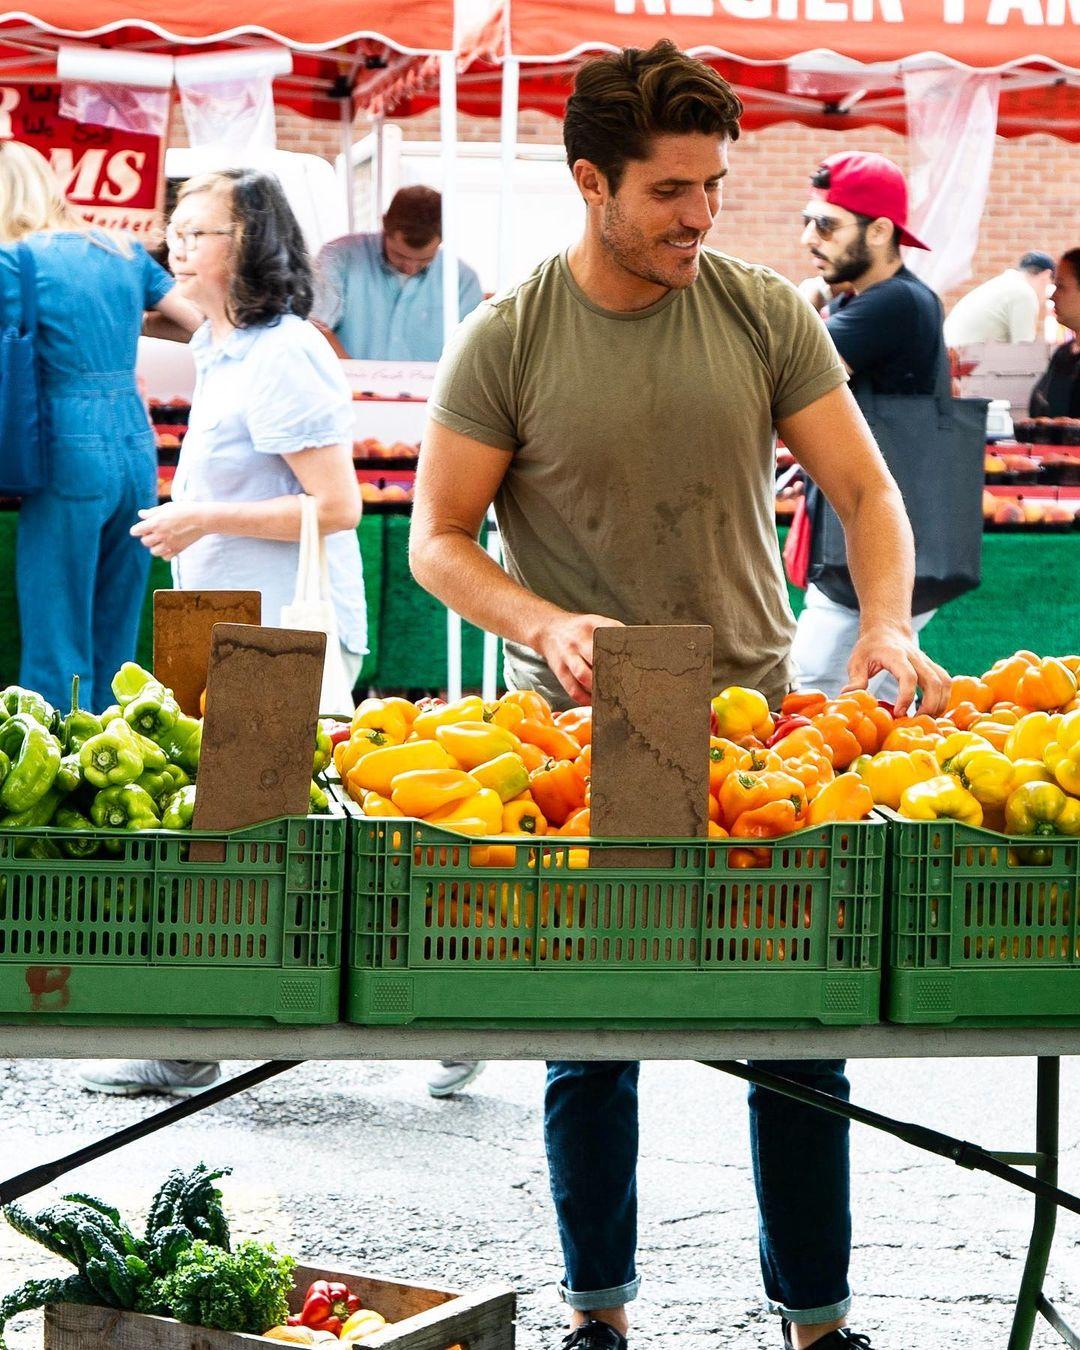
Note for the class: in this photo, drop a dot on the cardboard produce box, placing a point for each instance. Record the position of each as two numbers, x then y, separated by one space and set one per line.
419 1317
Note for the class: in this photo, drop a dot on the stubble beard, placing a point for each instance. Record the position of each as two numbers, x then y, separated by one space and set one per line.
629 248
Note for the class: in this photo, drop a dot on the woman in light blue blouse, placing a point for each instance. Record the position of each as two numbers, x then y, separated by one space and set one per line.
271 416
80 576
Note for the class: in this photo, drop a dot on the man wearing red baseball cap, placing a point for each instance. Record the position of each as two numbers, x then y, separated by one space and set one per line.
888 331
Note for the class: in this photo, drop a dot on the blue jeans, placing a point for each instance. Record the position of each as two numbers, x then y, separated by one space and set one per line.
800 1158
80 577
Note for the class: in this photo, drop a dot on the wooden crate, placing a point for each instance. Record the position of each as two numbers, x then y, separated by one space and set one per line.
420 1318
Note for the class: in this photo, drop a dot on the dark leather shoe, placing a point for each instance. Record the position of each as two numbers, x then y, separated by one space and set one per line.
844 1339
593 1335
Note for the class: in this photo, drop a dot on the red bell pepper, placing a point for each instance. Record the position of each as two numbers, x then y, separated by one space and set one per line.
787 723
328 1304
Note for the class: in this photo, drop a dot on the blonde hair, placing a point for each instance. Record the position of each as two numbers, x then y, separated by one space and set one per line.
31 198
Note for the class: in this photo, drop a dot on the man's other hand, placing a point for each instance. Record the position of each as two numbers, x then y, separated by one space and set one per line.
895 650
567 648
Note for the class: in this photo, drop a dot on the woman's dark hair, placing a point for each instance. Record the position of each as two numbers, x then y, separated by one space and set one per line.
1071 260
620 101
272 275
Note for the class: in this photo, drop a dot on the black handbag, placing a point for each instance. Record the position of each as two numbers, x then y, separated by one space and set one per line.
24 467
935 446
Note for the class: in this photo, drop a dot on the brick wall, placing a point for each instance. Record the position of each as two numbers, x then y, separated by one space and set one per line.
1032 203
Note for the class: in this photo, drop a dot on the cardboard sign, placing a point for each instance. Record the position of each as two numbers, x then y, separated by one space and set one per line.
115 178
183 624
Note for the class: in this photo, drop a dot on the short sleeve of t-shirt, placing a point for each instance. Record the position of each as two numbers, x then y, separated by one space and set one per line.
473 393
300 399
802 357
1022 315
330 268
157 283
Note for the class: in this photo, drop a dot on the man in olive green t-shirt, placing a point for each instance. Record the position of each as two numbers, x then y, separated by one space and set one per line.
619 408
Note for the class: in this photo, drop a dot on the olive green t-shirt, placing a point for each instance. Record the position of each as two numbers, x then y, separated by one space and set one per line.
641 483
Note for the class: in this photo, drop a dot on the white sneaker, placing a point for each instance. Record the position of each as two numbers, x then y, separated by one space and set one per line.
130 1077
454 1074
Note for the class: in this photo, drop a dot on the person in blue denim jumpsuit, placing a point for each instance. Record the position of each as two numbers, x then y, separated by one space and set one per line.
80 576
597 372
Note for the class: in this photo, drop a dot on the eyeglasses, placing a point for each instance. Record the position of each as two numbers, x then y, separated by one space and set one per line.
188 240
824 226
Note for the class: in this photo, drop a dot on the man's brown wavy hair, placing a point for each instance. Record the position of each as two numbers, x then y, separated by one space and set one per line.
622 100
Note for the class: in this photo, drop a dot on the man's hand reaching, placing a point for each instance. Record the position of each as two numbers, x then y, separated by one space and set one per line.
567 648
895 650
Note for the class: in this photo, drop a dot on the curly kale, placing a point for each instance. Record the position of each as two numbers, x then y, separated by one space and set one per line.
243 1290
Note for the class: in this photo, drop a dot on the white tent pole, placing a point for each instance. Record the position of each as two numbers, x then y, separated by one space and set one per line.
508 127
347 163
448 133
377 177
490 677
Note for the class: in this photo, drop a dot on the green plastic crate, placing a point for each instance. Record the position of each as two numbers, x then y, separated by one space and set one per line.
979 932
691 939
147 937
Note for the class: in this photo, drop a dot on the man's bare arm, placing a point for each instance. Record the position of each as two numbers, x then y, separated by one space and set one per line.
831 440
456 481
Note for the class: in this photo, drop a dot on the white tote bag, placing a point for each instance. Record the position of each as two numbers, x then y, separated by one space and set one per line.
313 609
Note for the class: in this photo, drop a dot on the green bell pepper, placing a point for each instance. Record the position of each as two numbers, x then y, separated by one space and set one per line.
153 711
37 848
40 813
129 682
79 725
158 783
182 742
179 808
324 748
112 758
74 821
15 700
35 761
318 801
153 757
70 775
111 713
124 807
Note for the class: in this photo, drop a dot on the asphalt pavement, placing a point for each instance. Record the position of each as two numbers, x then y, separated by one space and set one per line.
357 1163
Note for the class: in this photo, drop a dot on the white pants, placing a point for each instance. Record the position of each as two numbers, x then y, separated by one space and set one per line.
824 639
352 661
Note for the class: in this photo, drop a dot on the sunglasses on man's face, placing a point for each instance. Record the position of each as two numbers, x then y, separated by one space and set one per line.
824 226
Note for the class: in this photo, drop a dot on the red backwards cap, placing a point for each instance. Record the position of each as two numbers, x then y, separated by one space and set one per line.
870 185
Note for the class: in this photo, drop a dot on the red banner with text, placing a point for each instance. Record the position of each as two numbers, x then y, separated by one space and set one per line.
115 178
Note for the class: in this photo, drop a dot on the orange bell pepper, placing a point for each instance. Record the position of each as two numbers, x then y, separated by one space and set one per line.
717 831
555 743
969 689
576 722
578 824
1048 685
584 760
803 703
799 742
532 756
997 733
714 809
907 735
813 770
741 792
842 742
845 798
739 713
749 857
535 705
558 788
493 855
419 792
964 714
768 821
1003 677
385 715
506 715
523 818
868 722
724 758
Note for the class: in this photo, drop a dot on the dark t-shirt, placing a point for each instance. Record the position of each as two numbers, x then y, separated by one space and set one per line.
1058 392
891 334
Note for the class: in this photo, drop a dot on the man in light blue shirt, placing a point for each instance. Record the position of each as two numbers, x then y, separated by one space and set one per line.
380 295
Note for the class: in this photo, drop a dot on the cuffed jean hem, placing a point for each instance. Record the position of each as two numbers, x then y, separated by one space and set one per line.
600 1298
811 1317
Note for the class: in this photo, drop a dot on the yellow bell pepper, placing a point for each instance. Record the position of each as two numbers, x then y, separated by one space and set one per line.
945 750
1043 809
1068 731
375 804
941 798
740 713
994 729
1030 771
419 792
481 813
1064 764
845 798
377 770
469 709
475 743
987 774
506 715
385 715
1031 735
349 753
1046 684
363 1323
523 818
506 774
888 773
